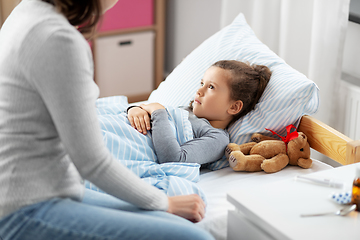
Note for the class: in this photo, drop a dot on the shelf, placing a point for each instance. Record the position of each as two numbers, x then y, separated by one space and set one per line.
125 31
157 25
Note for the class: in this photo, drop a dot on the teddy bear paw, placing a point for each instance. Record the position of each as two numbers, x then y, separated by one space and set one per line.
304 163
231 147
275 164
250 163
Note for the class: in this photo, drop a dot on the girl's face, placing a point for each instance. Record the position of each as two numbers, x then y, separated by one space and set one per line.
212 100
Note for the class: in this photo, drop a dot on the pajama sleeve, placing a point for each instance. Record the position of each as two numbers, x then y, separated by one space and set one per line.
207 146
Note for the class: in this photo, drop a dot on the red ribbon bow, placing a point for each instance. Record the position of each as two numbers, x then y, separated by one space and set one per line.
289 136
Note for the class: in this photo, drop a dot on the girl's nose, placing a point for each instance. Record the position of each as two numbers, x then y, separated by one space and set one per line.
200 91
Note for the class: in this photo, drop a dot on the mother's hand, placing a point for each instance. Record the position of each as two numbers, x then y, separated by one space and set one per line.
190 207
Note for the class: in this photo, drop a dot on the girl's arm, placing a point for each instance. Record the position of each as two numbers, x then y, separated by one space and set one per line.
207 146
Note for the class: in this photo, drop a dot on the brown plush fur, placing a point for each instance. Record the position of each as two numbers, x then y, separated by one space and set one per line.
269 154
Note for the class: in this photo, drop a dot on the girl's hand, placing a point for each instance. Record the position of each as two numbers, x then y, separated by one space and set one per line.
151 107
139 119
190 207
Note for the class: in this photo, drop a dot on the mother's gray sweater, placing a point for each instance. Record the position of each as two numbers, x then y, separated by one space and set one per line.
50 136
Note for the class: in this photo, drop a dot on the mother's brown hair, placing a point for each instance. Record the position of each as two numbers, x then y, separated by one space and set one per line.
83 13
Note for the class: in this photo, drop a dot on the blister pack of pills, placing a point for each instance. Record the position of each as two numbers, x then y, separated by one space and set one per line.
342 197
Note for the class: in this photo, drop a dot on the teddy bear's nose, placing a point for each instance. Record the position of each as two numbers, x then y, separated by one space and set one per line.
301 149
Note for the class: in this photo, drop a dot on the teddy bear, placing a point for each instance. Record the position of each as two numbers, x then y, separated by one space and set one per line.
270 154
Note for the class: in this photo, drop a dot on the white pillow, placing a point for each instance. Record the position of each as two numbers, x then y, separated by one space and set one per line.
288 96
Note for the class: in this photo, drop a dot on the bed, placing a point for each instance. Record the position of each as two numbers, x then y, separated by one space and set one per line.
290 98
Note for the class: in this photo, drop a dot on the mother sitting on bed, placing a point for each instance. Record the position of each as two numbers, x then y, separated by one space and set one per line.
50 139
229 90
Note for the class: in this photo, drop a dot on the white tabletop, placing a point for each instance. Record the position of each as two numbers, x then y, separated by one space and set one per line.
276 207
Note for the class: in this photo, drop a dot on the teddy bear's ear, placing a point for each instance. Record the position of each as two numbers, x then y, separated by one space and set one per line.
299 142
302 135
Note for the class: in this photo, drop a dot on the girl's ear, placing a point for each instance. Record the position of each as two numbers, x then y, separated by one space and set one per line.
236 107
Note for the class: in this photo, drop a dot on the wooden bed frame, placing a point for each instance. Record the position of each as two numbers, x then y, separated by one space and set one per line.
329 141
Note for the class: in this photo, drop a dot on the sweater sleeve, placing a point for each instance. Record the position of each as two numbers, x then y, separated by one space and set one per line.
207 146
61 72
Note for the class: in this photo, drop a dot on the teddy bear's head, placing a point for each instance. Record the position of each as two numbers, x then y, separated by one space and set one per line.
298 148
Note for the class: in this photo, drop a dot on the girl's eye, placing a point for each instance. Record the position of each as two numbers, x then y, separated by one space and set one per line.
201 84
211 86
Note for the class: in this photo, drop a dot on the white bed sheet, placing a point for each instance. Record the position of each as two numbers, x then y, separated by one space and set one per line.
216 184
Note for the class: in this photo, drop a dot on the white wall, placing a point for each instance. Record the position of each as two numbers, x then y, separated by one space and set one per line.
351 58
189 23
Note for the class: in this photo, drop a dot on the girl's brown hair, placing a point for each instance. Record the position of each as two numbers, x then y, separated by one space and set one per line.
83 13
247 84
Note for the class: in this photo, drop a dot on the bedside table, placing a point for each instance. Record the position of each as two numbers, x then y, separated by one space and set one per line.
272 211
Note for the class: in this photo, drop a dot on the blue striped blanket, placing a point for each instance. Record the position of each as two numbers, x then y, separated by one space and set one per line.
136 151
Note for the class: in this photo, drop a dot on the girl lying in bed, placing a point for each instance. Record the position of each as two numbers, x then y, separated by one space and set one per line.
228 91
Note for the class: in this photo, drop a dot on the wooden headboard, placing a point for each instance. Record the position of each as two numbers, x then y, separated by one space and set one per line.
329 141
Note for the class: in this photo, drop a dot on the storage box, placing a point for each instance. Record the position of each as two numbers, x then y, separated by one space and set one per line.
125 64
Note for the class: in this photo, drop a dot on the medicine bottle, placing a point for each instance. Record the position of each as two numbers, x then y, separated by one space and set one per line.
355 198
